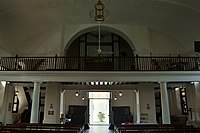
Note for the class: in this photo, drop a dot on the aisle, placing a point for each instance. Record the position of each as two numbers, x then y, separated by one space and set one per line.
98 129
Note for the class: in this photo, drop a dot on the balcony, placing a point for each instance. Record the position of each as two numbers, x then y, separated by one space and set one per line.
136 63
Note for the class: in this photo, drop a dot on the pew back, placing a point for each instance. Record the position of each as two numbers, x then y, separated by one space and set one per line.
40 128
167 128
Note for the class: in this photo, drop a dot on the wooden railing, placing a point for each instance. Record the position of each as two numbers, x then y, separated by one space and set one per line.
136 63
40 128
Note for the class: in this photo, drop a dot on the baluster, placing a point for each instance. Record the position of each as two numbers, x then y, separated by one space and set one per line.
56 57
16 64
137 62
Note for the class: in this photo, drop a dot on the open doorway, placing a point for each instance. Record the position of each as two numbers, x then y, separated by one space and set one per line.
99 105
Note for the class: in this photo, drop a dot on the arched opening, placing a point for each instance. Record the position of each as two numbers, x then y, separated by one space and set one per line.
111 52
89 37
111 44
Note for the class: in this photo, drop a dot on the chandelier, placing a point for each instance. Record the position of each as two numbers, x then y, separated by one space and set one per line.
99 13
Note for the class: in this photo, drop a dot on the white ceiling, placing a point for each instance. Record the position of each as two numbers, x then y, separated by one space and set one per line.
22 19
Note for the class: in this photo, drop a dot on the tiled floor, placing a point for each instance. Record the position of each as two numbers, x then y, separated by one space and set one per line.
98 129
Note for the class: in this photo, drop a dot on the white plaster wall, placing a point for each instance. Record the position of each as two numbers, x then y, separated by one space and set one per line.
3 49
147 96
49 42
46 43
4 52
127 99
162 44
52 96
71 99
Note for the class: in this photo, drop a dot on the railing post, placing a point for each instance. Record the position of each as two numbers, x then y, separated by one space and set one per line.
179 62
16 64
137 62
56 57
65 58
79 63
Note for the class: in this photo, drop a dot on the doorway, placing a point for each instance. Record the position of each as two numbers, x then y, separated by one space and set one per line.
99 106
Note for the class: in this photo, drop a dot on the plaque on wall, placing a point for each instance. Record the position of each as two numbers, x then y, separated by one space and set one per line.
50 112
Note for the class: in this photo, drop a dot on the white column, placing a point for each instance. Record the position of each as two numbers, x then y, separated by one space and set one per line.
165 103
2 101
137 105
35 103
62 103
7 105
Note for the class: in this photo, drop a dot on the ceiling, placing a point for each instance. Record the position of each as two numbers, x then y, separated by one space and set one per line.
23 19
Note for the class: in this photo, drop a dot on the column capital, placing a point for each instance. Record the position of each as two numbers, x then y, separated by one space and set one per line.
162 82
136 91
37 82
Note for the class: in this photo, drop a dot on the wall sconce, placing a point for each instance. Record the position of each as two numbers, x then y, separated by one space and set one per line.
77 94
115 98
177 89
83 98
183 93
16 92
120 94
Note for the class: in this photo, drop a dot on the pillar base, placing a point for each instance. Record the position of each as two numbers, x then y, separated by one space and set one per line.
111 127
86 126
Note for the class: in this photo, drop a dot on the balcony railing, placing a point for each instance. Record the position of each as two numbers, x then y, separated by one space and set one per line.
136 63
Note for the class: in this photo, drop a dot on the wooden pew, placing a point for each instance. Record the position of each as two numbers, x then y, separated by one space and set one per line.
161 128
41 128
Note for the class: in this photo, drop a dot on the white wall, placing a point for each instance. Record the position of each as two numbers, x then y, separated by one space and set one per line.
54 40
52 97
71 99
162 44
127 99
4 53
147 96
46 43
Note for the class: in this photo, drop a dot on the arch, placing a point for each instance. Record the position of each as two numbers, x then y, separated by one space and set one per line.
106 28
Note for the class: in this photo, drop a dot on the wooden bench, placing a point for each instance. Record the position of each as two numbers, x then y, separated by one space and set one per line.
41 128
167 128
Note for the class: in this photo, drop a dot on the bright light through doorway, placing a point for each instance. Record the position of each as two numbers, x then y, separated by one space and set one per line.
99 107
